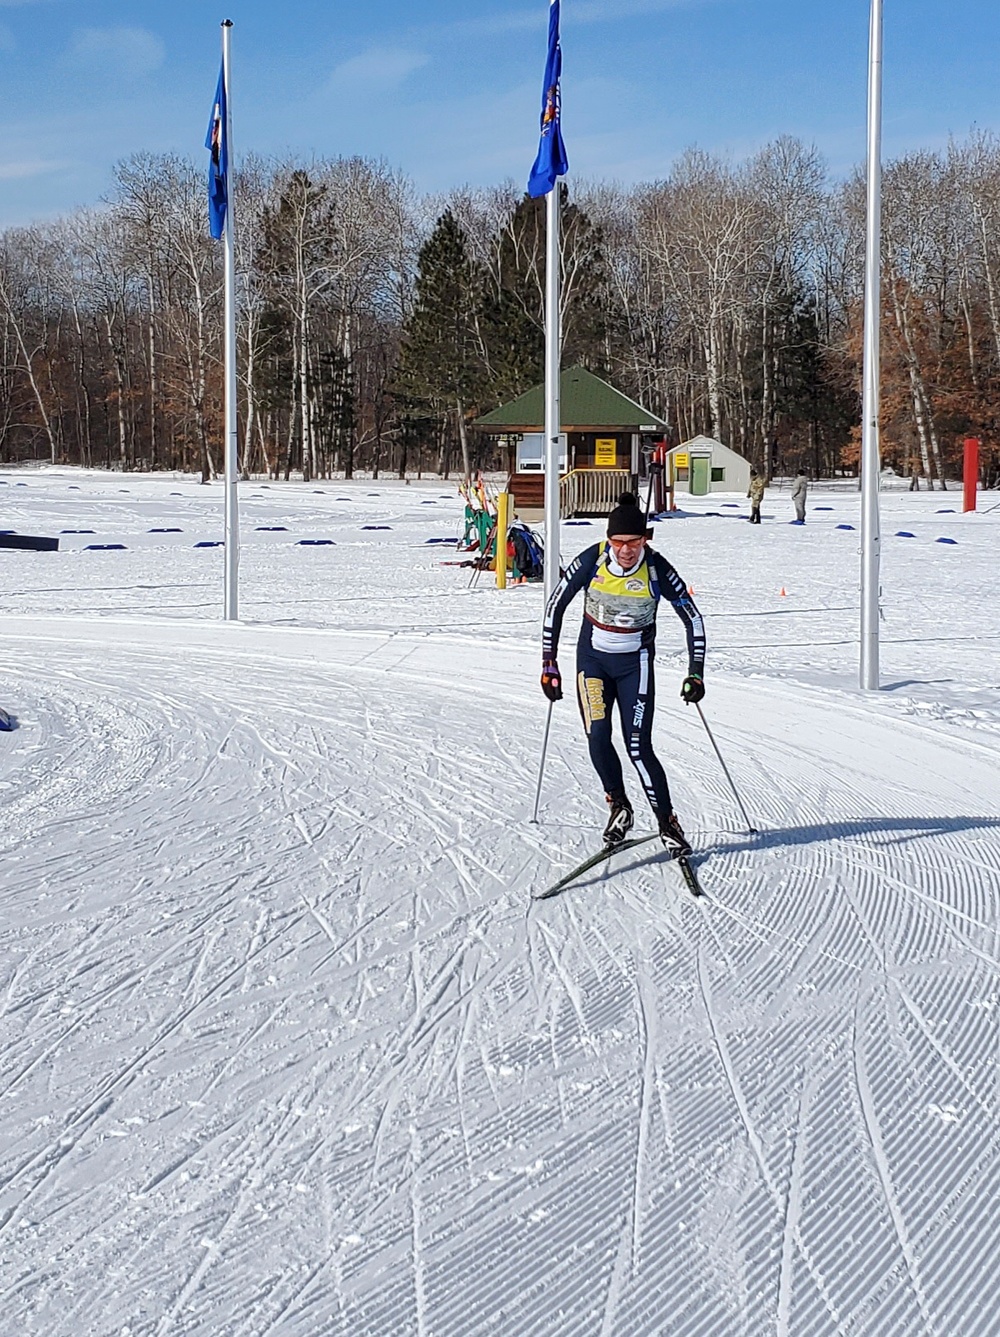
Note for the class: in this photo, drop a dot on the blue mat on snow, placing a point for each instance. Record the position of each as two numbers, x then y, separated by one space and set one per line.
30 542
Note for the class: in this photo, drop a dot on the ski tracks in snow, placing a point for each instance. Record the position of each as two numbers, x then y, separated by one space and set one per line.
287 1049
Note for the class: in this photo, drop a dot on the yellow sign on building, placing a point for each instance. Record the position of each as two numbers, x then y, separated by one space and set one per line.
681 460
605 452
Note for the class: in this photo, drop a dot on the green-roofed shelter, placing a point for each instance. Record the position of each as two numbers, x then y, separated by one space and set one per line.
603 432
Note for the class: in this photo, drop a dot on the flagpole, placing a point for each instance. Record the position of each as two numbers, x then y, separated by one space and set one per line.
871 538
552 359
550 164
232 518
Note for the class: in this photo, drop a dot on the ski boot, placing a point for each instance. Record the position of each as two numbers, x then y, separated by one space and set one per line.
620 821
672 835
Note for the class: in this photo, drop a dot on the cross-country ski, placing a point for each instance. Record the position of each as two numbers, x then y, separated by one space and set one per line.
594 861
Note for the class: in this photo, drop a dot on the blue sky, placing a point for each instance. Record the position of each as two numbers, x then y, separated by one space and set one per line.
450 92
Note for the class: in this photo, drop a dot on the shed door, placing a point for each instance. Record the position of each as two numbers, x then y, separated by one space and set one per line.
701 475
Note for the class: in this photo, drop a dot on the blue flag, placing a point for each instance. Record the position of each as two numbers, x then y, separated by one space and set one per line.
217 143
551 161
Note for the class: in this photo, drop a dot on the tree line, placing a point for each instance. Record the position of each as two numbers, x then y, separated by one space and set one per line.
375 323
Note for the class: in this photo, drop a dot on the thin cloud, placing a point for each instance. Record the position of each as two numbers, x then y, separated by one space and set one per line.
20 171
379 70
608 11
129 52
592 11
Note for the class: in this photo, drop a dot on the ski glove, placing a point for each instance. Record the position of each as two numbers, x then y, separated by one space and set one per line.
692 689
551 680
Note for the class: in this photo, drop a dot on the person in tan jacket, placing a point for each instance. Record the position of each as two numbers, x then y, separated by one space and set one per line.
756 495
798 496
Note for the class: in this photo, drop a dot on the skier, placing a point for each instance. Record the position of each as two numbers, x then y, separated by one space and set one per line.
623 580
756 495
798 495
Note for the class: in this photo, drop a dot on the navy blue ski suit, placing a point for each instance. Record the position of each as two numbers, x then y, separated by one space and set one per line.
614 657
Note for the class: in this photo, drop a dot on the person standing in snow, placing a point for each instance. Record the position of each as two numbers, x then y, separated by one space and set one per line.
624 581
799 488
756 495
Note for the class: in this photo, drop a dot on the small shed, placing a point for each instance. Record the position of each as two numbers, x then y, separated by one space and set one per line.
602 438
705 465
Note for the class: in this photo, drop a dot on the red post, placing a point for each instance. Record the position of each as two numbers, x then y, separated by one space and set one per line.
970 473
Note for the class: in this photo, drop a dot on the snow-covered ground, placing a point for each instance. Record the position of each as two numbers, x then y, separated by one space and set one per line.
288 1048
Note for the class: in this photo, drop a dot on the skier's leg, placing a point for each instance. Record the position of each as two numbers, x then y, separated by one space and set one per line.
596 693
596 696
636 703
646 762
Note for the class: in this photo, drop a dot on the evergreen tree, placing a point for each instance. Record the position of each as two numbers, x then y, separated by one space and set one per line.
441 364
513 311
816 405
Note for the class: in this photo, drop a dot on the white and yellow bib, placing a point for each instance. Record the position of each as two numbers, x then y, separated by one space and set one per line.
620 607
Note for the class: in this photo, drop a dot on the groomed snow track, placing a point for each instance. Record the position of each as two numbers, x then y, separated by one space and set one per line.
287 1049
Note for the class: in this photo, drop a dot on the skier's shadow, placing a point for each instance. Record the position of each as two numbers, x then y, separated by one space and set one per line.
895 830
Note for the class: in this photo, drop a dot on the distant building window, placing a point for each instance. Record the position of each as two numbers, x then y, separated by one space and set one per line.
718 475
682 475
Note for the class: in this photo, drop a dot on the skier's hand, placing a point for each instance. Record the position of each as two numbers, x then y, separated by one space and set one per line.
692 689
551 680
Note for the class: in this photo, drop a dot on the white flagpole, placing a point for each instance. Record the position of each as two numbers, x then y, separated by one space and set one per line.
871 538
232 515
552 359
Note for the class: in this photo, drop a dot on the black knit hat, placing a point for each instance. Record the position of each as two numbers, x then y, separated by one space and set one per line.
626 518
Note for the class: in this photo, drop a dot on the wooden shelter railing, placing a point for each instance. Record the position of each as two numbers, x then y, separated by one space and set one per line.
592 491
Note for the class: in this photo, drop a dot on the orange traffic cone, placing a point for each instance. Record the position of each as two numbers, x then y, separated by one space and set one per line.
783 590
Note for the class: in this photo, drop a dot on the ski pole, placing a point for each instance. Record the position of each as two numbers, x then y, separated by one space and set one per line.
752 830
541 764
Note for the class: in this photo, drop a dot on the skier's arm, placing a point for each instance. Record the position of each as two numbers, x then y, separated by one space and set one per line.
672 589
578 573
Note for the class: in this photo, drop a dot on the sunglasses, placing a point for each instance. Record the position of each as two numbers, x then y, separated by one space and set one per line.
626 543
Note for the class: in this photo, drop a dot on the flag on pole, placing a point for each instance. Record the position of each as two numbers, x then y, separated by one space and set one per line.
551 161
217 143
